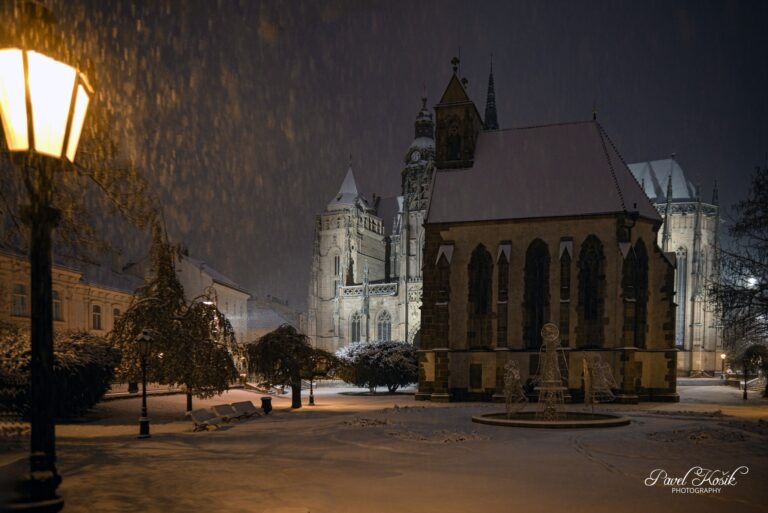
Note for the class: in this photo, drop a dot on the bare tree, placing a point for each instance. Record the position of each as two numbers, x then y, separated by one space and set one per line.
741 290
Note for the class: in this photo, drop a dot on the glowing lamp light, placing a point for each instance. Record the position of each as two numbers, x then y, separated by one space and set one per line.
57 96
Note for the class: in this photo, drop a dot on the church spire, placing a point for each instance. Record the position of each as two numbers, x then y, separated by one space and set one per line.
715 197
491 120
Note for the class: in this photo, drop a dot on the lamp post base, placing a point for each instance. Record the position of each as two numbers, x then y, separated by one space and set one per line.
144 428
44 506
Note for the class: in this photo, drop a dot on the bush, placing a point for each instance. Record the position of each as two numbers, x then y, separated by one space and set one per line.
384 363
83 369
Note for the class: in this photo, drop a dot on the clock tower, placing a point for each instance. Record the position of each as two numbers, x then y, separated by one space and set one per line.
419 161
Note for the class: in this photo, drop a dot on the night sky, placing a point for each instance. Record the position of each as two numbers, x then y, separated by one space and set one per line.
244 114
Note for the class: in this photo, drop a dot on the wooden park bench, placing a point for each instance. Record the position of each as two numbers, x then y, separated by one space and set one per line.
204 419
246 409
227 412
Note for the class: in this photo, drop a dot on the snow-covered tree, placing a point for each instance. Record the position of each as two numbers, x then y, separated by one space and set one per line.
384 363
193 342
282 357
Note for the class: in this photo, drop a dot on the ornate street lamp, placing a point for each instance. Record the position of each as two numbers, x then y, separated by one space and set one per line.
722 368
144 345
43 104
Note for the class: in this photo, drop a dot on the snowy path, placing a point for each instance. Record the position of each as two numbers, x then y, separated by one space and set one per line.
355 454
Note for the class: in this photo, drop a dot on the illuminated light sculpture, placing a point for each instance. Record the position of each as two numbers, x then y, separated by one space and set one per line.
43 106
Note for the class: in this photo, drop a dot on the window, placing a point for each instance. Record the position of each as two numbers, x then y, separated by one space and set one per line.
19 305
565 276
480 274
501 306
96 317
355 327
443 280
591 284
56 299
384 327
536 294
565 295
116 313
681 277
336 265
635 291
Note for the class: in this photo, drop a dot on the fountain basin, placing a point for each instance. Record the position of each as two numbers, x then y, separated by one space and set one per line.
566 420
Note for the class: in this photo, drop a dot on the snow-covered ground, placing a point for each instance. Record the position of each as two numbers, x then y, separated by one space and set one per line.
357 454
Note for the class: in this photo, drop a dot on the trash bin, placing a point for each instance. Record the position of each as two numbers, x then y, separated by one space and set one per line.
266 405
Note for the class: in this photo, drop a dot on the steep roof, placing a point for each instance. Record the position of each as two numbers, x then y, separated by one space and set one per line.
653 175
348 195
215 275
546 171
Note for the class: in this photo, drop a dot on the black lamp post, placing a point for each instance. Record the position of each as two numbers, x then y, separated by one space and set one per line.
722 368
144 345
319 368
43 103
745 362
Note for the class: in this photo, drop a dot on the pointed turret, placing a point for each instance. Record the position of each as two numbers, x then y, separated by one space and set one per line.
424 126
715 197
348 195
491 120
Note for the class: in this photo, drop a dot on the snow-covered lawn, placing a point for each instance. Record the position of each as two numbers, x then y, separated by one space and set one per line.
391 454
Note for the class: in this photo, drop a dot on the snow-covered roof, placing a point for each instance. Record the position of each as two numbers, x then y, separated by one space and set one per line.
423 142
215 275
546 171
348 195
655 174
104 276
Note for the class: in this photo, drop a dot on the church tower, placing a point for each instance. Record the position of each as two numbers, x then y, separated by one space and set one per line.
348 250
458 125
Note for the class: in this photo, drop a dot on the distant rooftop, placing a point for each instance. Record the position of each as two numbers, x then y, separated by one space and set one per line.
654 176
215 275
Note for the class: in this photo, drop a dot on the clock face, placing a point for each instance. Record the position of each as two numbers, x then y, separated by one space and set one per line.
415 156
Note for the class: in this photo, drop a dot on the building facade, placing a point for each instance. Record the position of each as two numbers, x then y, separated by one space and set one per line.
366 279
87 297
534 225
691 234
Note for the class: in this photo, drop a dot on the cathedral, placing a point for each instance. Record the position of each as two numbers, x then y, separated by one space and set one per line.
690 231
366 281
497 232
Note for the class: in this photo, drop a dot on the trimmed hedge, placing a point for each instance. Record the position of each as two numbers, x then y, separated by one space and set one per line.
84 367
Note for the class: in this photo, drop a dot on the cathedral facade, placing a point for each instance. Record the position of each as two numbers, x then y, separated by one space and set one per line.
690 234
366 280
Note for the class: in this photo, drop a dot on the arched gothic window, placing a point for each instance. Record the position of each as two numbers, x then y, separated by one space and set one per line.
479 304
354 327
384 326
536 294
635 291
591 293
501 303
443 280
681 294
